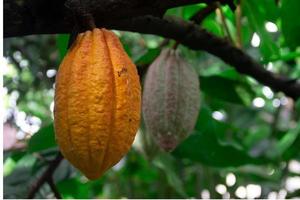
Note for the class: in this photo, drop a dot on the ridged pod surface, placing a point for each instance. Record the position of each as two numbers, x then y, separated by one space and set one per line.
97 103
171 99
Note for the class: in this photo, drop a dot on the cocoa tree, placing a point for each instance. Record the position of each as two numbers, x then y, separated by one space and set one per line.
228 131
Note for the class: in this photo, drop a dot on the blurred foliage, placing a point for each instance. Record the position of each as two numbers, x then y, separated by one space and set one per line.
243 127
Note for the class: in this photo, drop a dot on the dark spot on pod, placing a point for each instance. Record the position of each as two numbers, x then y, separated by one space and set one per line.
122 71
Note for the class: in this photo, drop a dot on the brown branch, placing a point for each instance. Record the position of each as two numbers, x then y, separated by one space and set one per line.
46 176
186 33
197 38
238 22
223 20
53 188
205 12
51 17
36 16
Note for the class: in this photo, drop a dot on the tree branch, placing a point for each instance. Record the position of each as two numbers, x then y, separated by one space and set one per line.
51 17
197 38
44 16
53 188
198 17
46 176
18 22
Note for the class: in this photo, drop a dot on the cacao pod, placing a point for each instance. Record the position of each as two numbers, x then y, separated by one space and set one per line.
97 102
171 99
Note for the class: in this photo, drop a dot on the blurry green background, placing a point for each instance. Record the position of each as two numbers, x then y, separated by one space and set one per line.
246 142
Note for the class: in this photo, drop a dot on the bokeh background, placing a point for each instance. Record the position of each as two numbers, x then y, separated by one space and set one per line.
246 143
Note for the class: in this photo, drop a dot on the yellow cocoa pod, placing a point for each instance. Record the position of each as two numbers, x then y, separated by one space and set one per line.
97 102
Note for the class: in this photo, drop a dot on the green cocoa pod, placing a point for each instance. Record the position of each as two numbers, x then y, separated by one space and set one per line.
171 99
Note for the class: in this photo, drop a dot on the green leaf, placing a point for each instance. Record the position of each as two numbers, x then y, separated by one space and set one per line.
255 136
257 14
297 104
284 57
227 86
17 155
287 140
230 74
175 12
203 146
164 162
189 11
221 88
246 34
43 139
148 57
211 25
269 9
290 23
16 184
62 41
127 49
10 165
73 188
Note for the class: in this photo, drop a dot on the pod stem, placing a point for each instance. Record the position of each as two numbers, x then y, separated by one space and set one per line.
82 15
83 19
